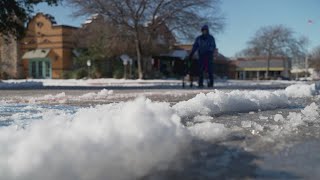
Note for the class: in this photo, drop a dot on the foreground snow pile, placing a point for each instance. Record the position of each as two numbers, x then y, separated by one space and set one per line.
219 102
118 141
130 140
125 140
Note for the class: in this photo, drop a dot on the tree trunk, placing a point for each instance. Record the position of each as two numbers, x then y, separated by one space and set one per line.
139 55
125 71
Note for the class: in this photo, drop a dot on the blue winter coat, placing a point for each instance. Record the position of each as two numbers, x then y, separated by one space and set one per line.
205 44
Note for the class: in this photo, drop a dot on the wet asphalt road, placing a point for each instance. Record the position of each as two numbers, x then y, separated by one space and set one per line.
242 155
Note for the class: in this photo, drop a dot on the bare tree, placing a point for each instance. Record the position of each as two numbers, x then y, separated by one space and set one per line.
102 38
273 41
14 13
182 17
315 58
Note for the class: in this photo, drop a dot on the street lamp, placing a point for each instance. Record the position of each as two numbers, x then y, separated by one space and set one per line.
89 65
126 60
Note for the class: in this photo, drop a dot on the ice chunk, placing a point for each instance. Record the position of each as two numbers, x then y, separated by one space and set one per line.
203 118
278 117
263 117
250 124
246 124
105 92
209 131
311 112
100 95
257 126
295 119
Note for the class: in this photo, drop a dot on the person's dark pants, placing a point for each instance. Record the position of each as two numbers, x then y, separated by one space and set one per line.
206 66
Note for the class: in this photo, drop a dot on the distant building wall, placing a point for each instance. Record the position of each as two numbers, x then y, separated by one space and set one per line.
255 68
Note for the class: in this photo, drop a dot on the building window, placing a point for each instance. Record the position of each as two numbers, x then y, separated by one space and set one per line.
39 24
46 41
32 42
48 67
34 69
40 69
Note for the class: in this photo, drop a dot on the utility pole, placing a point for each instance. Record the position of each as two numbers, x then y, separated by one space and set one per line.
306 66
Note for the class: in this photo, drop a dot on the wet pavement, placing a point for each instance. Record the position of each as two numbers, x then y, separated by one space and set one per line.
258 147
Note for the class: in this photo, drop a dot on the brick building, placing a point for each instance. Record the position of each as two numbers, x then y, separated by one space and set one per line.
47 48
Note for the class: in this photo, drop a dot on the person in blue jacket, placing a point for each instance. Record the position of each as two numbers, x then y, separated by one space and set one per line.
205 45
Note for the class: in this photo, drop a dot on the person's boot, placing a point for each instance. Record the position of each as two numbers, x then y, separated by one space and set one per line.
210 85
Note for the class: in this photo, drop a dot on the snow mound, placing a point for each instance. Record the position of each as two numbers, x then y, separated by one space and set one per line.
301 90
219 102
117 141
59 98
62 98
129 140
100 95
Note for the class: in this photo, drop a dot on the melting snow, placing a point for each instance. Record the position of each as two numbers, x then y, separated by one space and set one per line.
128 140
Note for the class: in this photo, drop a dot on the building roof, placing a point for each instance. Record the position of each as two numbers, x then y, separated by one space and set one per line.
38 53
180 54
175 54
259 63
52 20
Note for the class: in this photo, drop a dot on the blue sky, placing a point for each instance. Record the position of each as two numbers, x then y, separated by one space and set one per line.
243 19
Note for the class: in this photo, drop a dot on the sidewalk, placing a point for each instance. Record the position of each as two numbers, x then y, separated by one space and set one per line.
127 84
